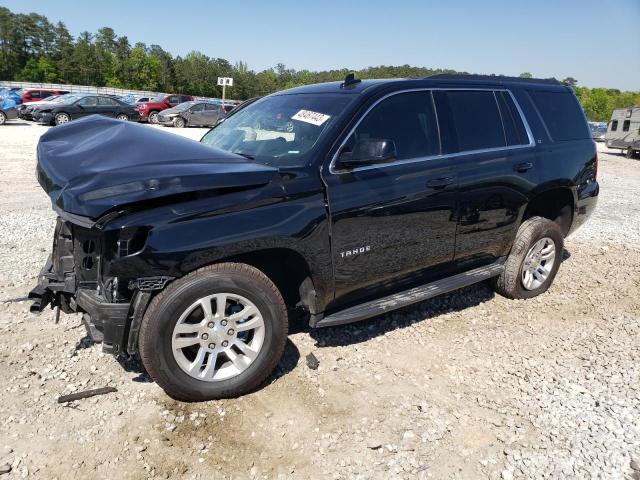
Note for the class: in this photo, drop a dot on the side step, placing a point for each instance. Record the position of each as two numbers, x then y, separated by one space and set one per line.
408 297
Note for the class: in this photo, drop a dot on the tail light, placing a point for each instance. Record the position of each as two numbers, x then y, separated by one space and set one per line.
595 167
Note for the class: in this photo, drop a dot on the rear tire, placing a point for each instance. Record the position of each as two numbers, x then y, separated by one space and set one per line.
157 343
532 233
123 117
153 117
3 118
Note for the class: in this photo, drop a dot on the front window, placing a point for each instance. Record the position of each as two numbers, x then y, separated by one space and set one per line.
279 130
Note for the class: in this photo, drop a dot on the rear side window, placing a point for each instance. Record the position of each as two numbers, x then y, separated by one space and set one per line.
514 130
407 119
469 120
561 114
614 125
107 102
626 125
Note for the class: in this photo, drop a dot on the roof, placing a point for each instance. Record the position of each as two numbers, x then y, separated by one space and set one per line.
433 81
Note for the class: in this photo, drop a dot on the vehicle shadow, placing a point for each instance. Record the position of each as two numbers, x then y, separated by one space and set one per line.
363 331
404 317
133 363
288 362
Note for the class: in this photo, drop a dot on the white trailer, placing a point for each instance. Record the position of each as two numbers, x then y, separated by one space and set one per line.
623 131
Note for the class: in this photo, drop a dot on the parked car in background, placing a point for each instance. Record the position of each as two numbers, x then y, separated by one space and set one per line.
81 105
35 95
149 110
7 111
624 131
598 130
25 110
197 113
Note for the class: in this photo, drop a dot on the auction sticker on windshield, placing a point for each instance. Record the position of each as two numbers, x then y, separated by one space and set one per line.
308 116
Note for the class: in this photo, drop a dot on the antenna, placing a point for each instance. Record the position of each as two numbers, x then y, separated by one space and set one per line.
350 80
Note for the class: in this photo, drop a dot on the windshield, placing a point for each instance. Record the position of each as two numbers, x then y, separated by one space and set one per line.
278 130
183 106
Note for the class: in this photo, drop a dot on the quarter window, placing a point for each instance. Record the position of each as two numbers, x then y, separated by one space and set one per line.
626 125
407 119
469 120
562 115
614 125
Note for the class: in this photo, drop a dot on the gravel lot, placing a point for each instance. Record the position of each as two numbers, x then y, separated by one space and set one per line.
468 385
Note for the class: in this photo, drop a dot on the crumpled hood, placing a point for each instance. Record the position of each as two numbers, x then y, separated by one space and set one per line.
95 164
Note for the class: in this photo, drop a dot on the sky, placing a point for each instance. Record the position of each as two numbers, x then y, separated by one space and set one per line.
596 42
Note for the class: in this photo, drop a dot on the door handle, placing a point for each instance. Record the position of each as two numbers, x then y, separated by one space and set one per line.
438 183
523 167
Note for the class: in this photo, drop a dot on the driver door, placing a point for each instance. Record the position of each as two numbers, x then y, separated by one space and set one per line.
393 221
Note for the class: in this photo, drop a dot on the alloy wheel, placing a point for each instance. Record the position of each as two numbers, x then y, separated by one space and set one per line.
3 118
123 117
218 337
62 118
538 263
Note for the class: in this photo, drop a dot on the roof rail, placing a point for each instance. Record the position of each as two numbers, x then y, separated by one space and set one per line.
492 78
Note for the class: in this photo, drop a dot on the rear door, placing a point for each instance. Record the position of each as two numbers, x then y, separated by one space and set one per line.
86 106
107 106
392 221
492 153
210 114
196 114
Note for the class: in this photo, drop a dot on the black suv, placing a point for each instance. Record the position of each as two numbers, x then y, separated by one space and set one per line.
382 193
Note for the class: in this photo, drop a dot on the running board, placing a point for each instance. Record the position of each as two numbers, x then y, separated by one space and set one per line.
408 297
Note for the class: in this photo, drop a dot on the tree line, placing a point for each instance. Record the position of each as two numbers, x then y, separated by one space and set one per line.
34 49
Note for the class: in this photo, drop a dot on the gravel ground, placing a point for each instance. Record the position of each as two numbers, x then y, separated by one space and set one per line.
468 385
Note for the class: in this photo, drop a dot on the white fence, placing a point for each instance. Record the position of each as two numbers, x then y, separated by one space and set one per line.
88 89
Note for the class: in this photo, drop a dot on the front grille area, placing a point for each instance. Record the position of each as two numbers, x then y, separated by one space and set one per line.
87 249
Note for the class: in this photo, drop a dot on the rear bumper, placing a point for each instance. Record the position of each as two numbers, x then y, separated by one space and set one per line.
587 201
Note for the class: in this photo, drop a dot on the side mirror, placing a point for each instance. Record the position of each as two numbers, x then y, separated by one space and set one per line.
369 151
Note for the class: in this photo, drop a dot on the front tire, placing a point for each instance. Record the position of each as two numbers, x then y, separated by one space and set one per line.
3 118
123 117
179 122
534 260
215 333
61 118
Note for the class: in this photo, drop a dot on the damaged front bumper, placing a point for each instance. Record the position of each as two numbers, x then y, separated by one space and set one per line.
61 286
107 323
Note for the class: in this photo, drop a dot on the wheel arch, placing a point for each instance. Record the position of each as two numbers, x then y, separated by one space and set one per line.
556 203
288 269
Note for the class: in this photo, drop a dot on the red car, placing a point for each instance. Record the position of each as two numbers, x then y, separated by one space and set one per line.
35 95
149 110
